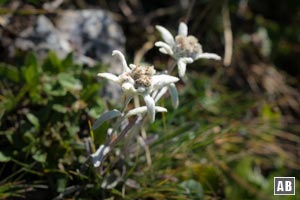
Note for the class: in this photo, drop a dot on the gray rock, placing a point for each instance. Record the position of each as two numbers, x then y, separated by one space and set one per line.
94 34
41 38
91 35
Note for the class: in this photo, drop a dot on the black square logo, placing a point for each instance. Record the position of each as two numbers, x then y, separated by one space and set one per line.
284 185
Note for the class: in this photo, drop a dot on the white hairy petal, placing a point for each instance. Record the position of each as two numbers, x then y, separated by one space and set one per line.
166 35
149 101
132 66
109 76
143 109
182 62
182 29
128 88
162 80
141 89
159 93
164 48
181 68
122 57
160 109
208 56
99 155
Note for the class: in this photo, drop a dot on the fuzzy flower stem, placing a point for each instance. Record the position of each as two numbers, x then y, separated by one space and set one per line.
124 132
172 67
119 121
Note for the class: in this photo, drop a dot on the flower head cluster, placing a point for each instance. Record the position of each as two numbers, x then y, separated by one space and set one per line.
184 48
140 80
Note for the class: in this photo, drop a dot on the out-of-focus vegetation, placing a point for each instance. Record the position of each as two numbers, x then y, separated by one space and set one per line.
236 128
45 110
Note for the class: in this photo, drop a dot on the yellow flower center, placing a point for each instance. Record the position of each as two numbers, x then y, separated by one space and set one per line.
142 75
187 46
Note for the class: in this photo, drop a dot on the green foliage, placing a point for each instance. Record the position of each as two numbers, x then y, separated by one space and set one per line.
193 189
45 110
204 148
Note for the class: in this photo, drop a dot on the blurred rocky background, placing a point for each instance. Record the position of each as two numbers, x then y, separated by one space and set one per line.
91 34
236 128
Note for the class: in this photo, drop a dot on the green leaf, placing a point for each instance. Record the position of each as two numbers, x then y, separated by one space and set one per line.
100 134
106 116
54 60
33 119
53 90
97 109
40 157
9 72
60 108
61 184
90 92
4 158
69 82
68 61
31 61
31 70
72 129
193 189
52 64
30 74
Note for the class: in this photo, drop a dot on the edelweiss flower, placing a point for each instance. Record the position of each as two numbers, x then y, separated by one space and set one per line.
140 80
184 48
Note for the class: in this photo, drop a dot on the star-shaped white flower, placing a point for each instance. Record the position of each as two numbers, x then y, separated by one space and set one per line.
184 48
140 80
